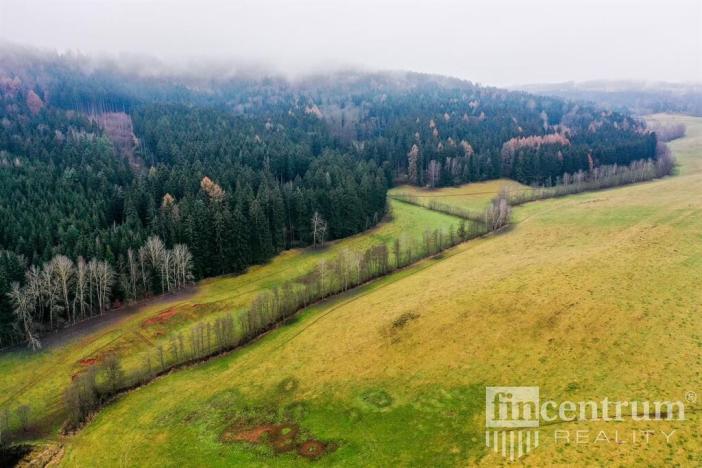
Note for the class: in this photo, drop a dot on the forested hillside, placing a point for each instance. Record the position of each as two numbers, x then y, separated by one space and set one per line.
115 185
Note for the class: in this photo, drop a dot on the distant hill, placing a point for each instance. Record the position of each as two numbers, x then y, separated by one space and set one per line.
640 97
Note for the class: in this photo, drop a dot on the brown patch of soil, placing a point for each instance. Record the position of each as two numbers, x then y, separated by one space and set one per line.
87 362
84 364
280 437
284 439
312 449
253 435
161 318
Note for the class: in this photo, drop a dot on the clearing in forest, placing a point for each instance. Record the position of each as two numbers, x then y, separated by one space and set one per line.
474 197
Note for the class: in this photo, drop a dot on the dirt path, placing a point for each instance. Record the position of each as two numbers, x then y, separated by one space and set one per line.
93 324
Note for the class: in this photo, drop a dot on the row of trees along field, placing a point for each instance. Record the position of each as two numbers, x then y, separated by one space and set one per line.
667 131
93 164
96 384
598 178
269 309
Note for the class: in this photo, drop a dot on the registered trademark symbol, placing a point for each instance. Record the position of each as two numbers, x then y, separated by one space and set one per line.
691 397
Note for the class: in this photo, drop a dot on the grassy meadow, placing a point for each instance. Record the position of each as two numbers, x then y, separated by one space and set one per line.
587 296
39 379
473 197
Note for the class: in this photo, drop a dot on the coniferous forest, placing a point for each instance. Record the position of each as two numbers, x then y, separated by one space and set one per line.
116 185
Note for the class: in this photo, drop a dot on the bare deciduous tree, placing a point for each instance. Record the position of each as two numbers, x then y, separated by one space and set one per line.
50 290
413 164
154 250
133 272
23 303
81 285
183 265
433 173
319 229
166 270
101 278
63 268
498 213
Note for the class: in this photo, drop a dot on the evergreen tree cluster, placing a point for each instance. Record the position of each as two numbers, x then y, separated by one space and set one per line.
95 160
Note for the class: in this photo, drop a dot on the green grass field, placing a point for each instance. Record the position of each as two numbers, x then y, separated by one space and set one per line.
474 197
38 379
588 296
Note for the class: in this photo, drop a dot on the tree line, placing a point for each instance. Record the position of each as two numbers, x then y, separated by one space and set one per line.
667 132
63 292
599 178
268 309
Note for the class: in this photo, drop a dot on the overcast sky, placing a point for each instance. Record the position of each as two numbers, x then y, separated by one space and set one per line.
497 42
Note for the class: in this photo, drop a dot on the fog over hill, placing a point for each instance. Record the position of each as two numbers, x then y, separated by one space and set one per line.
498 42
641 97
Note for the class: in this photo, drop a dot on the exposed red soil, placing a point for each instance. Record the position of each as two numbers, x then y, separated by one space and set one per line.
312 449
161 318
280 437
87 362
84 364
284 439
253 435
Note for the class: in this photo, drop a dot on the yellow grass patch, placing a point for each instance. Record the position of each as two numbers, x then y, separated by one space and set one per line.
474 196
